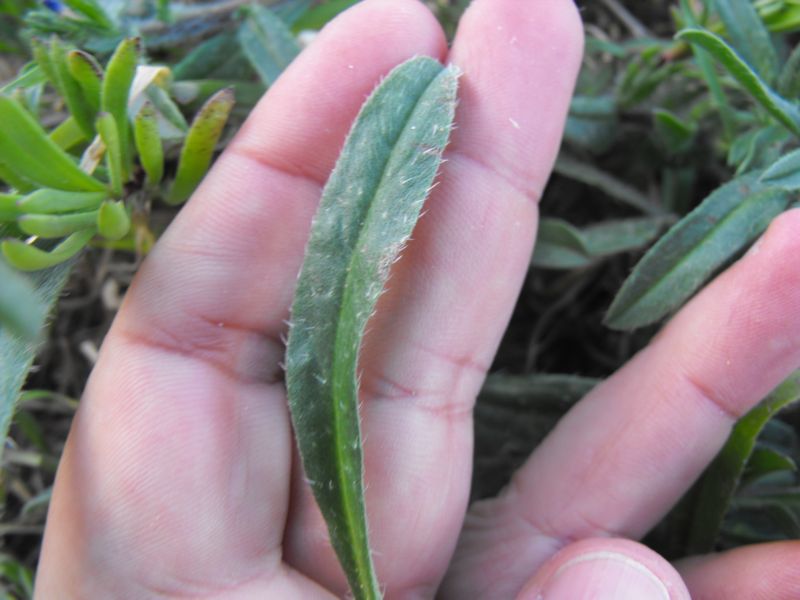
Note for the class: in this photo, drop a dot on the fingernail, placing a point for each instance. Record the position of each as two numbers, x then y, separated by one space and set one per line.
603 575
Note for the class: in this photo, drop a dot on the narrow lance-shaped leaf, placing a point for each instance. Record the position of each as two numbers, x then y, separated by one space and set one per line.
559 245
67 134
789 80
21 311
199 146
573 168
749 35
49 201
267 43
107 128
785 172
721 479
93 10
368 209
113 222
683 259
88 73
29 76
120 72
148 143
318 16
784 111
26 149
26 257
41 54
56 226
77 103
16 353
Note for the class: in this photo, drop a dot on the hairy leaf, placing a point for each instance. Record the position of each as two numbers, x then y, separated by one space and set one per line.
368 209
120 72
784 111
21 311
89 75
267 43
17 353
749 35
573 168
199 146
722 477
73 94
148 143
559 245
26 149
785 172
683 259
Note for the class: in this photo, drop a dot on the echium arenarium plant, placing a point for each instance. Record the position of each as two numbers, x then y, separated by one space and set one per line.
717 103
87 179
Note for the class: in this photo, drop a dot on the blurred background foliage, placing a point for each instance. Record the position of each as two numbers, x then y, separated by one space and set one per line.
655 126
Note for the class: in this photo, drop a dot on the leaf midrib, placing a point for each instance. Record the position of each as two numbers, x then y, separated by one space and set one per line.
347 498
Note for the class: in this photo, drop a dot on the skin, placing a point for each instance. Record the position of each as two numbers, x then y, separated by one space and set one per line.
180 479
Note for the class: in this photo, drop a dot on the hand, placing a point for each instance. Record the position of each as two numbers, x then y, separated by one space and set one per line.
179 478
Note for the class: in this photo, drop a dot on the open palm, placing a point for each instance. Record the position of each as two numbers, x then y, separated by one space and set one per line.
180 477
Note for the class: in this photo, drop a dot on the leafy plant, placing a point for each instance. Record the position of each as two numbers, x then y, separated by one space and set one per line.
367 212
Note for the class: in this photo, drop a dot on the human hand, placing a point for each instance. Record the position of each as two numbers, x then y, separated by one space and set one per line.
180 477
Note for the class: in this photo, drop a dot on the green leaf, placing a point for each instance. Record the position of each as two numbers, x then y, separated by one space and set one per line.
50 201
93 10
267 43
368 209
675 134
148 143
199 145
317 17
168 110
55 226
722 477
26 149
88 73
26 257
789 79
559 245
29 76
17 353
590 175
21 311
120 72
15 180
113 221
749 35
765 461
623 235
107 128
9 207
592 123
41 54
77 103
784 111
785 173
684 258
67 134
